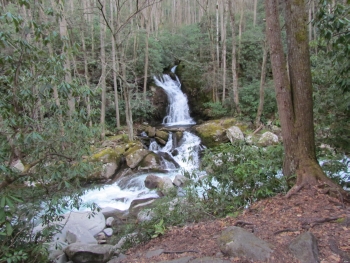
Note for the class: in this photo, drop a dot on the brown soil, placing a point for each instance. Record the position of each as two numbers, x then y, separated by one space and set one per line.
277 220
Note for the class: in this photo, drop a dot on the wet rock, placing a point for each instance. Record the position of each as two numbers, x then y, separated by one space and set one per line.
237 242
151 131
304 248
165 186
234 133
160 141
86 253
152 181
162 135
151 162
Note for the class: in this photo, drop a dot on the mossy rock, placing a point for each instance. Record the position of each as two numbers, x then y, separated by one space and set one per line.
107 155
211 133
151 161
162 135
119 138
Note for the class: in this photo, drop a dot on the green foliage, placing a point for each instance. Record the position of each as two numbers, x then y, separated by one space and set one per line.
333 24
249 101
240 174
47 139
215 109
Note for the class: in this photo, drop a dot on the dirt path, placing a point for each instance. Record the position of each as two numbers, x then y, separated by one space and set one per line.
277 220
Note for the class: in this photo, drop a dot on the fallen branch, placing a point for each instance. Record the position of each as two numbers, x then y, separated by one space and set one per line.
285 230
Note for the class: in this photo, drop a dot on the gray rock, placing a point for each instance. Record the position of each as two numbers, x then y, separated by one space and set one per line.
237 242
87 253
77 234
268 138
154 253
153 181
150 161
109 170
304 248
234 133
145 215
108 231
109 221
165 186
135 157
117 259
180 180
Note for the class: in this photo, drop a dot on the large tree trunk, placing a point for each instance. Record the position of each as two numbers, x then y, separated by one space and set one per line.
294 94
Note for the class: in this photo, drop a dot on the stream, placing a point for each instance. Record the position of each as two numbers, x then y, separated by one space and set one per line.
120 194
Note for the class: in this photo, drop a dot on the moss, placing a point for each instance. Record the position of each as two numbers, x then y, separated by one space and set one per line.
119 138
341 220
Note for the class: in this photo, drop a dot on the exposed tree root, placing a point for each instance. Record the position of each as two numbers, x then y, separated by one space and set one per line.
295 189
180 251
242 223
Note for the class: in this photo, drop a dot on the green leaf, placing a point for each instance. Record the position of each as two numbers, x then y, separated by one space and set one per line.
9 229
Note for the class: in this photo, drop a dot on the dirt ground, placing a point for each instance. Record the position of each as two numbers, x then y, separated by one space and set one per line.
277 220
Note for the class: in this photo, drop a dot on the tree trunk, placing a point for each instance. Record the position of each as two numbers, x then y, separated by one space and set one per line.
262 85
223 41
234 62
148 28
254 18
294 98
114 66
103 71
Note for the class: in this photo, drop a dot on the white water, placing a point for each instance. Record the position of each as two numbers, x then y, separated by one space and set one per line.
186 153
178 112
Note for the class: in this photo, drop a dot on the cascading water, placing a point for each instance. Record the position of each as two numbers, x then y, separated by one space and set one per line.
185 153
178 110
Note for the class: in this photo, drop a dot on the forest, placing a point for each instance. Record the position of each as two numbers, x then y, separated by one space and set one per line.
75 73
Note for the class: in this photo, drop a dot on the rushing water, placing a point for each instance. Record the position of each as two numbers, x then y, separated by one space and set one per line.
185 153
178 112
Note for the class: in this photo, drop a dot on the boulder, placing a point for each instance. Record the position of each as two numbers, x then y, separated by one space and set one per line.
162 135
180 180
152 181
268 138
145 215
165 186
87 253
211 133
77 234
234 133
133 158
238 242
108 155
109 170
151 162
304 248
151 131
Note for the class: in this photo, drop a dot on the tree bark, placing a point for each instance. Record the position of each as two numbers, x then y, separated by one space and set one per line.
262 85
103 71
223 41
234 61
294 98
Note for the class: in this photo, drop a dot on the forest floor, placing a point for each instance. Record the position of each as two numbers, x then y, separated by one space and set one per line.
277 220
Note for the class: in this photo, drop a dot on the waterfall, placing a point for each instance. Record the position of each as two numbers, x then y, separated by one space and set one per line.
178 112
183 154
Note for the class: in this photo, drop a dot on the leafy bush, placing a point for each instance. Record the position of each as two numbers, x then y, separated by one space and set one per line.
240 174
215 109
